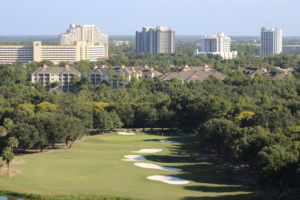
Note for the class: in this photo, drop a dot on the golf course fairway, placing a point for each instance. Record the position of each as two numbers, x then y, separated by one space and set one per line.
94 167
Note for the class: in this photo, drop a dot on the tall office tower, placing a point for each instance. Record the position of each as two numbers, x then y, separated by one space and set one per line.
80 32
271 41
216 44
158 39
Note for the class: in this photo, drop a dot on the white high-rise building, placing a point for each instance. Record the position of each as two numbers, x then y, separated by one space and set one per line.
82 32
158 39
216 45
271 41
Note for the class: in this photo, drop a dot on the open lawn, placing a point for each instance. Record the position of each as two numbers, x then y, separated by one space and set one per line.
94 167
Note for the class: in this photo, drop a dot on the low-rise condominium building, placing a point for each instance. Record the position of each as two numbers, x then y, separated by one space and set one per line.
118 77
61 75
187 74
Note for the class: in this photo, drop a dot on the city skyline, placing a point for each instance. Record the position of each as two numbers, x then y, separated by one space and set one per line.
190 17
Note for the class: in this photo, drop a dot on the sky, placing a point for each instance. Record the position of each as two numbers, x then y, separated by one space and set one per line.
124 17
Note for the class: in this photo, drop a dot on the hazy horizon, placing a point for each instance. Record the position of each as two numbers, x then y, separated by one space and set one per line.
52 36
124 17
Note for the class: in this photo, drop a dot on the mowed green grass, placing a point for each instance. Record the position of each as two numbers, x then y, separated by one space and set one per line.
97 169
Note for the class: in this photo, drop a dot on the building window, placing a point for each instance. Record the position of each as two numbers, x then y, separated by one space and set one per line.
52 79
103 75
52 74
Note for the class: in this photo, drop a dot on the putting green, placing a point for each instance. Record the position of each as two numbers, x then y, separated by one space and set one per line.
94 167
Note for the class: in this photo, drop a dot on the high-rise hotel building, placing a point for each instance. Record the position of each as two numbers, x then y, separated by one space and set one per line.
81 42
38 52
155 40
83 32
271 41
216 45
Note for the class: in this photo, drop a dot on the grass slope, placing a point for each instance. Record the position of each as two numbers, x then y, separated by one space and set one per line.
97 169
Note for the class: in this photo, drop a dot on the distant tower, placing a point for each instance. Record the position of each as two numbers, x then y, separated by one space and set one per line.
82 32
216 45
155 40
271 41
213 43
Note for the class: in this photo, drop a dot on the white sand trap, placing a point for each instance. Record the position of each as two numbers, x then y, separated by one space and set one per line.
133 158
153 166
126 133
148 151
162 141
168 179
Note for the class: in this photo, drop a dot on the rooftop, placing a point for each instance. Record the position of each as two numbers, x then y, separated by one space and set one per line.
56 70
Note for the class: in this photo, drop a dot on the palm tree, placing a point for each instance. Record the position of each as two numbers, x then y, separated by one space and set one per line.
12 142
8 156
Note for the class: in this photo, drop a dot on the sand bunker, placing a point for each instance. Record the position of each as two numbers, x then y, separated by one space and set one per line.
162 141
12 172
148 151
13 162
126 133
17 162
153 166
168 179
133 158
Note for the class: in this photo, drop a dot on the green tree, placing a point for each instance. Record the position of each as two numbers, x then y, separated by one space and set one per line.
45 107
126 114
54 130
39 122
8 124
26 106
146 117
218 132
103 121
12 142
167 118
116 121
74 129
7 156
141 116
26 135
277 167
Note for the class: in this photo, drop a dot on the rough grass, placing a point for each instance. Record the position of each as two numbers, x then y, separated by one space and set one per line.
97 169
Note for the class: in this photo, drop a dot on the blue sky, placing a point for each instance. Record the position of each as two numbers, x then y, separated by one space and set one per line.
124 17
